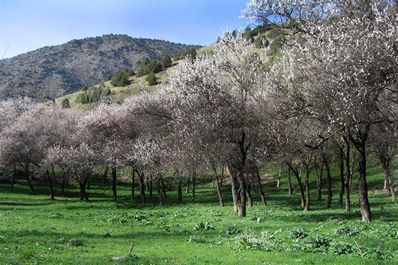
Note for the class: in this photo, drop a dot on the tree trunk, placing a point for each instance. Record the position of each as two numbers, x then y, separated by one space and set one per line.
329 184
83 193
29 179
348 180
132 185
363 185
50 184
194 184
234 188
301 187
262 195
114 176
105 175
12 177
142 187
249 194
289 182
160 190
242 196
188 184
218 186
150 186
353 163
179 186
307 189
342 180
163 188
388 177
319 181
63 182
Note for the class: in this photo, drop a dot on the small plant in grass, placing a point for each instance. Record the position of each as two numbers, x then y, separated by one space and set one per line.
197 239
345 230
248 240
320 242
203 226
232 230
299 233
342 248
76 242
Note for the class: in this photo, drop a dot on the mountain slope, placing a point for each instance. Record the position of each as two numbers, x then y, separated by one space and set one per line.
51 72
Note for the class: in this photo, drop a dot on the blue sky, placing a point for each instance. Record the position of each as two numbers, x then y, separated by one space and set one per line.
30 24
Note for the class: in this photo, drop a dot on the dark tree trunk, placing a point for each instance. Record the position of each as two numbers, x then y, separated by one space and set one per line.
163 188
83 193
114 177
289 182
29 179
194 184
132 185
12 177
363 185
342 180
307 188
353 163
188 184
329 184
258 177
150 186
179 187
319 181
50 185
63 182
249 194
218 186
105 175
301 187
160 190
142 186
348 180
242 195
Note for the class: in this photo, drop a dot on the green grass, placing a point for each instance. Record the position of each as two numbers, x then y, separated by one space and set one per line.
35 230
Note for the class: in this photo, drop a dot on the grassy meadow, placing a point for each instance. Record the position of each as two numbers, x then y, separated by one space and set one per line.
35 230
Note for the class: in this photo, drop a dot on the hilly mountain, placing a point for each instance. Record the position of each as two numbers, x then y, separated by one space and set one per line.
54 71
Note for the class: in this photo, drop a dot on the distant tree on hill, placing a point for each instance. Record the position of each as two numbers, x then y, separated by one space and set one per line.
248 34
148 66
151 78
166 61
122 78
65 104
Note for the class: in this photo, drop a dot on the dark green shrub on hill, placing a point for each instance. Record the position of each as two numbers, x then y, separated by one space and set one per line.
248 34
151 79
166 61
122 78
65 104
148 66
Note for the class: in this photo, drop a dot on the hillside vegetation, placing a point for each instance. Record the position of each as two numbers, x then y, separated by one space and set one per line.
51 72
